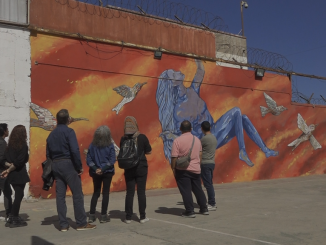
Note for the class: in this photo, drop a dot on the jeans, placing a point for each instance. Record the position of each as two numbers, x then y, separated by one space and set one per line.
7 192
138 176
190 182
97 182
65 174
19 194
207 171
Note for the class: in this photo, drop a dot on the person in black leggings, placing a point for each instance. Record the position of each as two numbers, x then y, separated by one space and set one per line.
17 176
100 159
136 175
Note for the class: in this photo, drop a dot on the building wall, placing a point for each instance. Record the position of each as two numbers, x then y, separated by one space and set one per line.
84 77
14 11
15 81
98 22
232 48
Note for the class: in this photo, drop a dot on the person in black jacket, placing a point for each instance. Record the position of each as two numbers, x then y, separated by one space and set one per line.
4 185
136 175
62 148
17 176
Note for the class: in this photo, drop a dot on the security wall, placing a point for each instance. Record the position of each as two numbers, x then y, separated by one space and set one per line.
260 133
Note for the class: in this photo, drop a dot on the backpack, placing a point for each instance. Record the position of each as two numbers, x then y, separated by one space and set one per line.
128 154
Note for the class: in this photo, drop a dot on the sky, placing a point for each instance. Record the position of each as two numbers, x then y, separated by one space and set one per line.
293 28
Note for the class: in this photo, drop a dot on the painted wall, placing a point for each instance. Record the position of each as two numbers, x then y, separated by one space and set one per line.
15 82
86 79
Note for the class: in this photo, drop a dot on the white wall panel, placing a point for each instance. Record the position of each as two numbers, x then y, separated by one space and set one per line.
14 10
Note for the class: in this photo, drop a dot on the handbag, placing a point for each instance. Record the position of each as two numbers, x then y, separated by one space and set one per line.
183 162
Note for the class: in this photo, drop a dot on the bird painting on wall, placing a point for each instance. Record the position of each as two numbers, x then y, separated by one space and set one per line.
128 94
46 120
306 135
271 107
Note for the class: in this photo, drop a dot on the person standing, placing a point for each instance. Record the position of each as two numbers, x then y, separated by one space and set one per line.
188 180
17 176
209 144
138 174
4 185
100 159
62 148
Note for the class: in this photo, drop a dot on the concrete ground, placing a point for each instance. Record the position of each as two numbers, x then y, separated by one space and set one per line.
282 211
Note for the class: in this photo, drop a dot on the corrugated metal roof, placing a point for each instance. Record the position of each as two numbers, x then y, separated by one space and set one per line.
13 10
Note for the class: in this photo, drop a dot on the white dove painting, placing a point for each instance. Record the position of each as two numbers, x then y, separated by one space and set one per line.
45 118
306 135
271 107
128 94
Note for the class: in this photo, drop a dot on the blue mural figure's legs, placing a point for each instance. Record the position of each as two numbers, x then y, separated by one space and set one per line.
255 137
227 127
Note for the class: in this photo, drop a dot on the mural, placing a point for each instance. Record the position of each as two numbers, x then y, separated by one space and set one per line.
128 94
46 120
306 135
91 79
177 103
272 107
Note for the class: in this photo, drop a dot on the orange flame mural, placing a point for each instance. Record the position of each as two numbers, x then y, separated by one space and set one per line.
86 78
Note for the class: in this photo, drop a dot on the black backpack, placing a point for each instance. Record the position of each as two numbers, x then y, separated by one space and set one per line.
128 155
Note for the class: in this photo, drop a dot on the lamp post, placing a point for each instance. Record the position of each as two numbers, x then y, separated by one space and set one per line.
243 4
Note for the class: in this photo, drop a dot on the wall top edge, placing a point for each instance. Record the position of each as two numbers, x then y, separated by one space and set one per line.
169 20
11 24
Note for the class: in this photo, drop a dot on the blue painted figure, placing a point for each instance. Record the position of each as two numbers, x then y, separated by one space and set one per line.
177 103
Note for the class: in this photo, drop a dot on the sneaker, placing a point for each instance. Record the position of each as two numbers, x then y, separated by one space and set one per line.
64 229
143 221
211 207
127 221
204 212
17 222
189 215
91 218
104 218
9 221
86 227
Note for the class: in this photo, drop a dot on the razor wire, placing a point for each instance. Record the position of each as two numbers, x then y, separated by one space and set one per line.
164 9
300 97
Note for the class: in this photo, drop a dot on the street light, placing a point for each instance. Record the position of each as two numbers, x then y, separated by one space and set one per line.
243 4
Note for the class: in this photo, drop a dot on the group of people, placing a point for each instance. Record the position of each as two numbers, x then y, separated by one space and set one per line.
63 151
13 159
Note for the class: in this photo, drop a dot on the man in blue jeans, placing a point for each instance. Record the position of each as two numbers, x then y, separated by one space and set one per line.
62 148
209 144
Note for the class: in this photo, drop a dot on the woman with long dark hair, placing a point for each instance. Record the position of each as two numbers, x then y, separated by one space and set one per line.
138 174
100 159
17 176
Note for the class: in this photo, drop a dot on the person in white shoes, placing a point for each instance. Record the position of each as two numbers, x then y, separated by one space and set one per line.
138 174
209 144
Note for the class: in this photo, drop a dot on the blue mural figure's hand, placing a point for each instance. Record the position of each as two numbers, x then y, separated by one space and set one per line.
177 103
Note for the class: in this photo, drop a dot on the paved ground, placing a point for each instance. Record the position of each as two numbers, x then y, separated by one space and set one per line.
283 211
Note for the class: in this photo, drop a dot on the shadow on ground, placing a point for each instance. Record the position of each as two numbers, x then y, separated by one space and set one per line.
170 211
54 220
195 204
118 214
35 240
